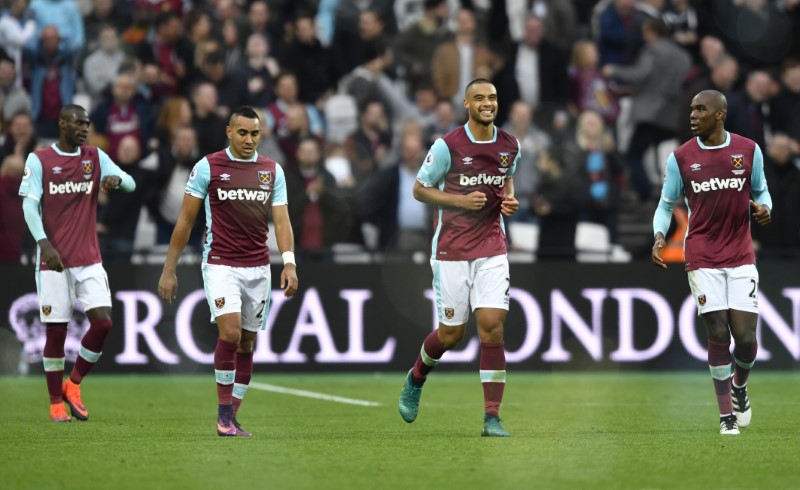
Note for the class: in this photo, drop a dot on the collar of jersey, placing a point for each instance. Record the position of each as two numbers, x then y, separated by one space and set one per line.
472 138
230 155
63 153
723 145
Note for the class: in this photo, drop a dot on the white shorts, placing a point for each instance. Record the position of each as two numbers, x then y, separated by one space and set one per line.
58 291
244 290
479 283
731 288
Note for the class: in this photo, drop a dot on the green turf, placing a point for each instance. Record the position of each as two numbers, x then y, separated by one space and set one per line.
568 430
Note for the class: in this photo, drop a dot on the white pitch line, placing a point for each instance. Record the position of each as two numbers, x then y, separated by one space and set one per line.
312 394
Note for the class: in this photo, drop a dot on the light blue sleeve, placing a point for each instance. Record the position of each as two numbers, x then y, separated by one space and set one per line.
516 160
199 179
758 181
108 167
30 209
31 185
436 164
279 191
315 125
671 191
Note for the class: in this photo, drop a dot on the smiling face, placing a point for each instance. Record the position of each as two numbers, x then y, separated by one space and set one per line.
705 115
481 103
244 133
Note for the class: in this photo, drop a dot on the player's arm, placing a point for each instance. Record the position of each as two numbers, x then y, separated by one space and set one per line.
196 190
430 176
113 177
31 191
284 234
510 205
762 201
670 193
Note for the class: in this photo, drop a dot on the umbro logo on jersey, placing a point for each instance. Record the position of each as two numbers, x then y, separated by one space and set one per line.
467 160
71 187
225 177
695 167
56 170
716 184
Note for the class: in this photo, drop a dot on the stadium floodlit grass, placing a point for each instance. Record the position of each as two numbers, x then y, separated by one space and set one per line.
569 430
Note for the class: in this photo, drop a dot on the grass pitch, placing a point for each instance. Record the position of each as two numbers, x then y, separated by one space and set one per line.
569 430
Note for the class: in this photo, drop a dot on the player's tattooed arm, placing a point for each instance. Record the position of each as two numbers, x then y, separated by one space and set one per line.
111 182
658 247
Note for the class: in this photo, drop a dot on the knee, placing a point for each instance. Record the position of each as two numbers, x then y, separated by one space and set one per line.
491 332
746 340
247 346
450 337
230 334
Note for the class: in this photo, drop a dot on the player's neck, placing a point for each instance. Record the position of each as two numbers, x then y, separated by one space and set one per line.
481 132
716 138
66 147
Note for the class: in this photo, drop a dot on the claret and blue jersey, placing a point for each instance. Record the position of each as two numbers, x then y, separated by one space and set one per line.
458 164
238 196
717 183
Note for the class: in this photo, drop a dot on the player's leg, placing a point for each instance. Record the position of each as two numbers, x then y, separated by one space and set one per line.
55 311
92 290
224 298
451 290
709 288
490 297
742 298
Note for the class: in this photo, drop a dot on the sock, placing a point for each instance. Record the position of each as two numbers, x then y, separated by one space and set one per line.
493 376
719 362
244 371
429 356
53 359
744 357
225 370
91 349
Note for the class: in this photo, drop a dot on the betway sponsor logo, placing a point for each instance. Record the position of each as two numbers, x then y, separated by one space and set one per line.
716 184
71 187
243 195
498 180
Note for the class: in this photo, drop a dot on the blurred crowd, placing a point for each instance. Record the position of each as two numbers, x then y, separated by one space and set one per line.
353 92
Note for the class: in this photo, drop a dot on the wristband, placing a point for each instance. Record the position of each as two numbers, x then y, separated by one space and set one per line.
288 258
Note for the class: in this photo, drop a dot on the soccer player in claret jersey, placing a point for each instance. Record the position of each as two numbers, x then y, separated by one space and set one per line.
239 188
467 174
721 176
59 189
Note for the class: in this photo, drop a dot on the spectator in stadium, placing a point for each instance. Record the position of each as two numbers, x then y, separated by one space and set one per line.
750 110
17 28
259 70
614 26
175 162
782 238
533 142
100 68
414 48
208 124
69 264
369 146
536 72
656 79
589 89
119 217
104 13
236 272
65 17
52 81
721 74
462 59
125 114
309 60
174 113
320 216
164 50
12 221
13 97
350 47
191 46
469 256
786 103
231 88
719 250
444 123
286 96
232 46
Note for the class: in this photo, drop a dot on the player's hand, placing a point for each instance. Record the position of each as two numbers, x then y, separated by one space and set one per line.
658 247
111 182
509 206
474 201
50 256
761 213
168 286
289 280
